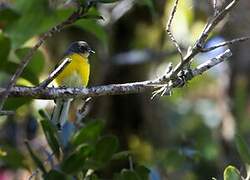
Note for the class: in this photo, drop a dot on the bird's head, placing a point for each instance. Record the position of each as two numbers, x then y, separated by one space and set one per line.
80 47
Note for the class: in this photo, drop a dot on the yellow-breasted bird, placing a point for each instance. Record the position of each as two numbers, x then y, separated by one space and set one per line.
75 74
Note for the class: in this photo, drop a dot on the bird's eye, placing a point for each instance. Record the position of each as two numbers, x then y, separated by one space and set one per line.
81 48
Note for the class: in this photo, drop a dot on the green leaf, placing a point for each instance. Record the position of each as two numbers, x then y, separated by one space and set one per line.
36 160
32 71
107 1
105 148
149 4
38 20
50 133
7 16
243 149
93 177
90 132
76 161
5 49
129 175
117 176
232 173
13 103
142 172
121 155
37 62
94 28
54 174
44 114
12 158
10 68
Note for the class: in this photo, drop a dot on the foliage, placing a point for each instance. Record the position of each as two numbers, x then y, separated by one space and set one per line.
231 173
183 140
87 151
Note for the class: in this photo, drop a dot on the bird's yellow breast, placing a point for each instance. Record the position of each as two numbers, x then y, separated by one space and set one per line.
76 73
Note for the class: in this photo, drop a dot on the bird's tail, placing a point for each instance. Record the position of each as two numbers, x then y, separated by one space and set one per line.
61 111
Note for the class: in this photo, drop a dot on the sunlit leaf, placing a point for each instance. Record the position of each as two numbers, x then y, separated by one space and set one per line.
231 173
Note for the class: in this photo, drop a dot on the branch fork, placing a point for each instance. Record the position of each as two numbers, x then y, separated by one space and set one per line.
173 77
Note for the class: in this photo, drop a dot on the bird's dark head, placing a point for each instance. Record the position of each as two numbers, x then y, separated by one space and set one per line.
80 47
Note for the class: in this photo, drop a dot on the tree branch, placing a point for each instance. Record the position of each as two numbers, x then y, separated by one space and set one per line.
55 73
237 40
26 59
168 29
197 48
113 89
6 113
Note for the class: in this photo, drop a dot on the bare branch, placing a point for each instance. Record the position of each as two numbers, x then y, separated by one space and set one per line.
242 39
113 89
83 111
6 113
55 73
197 48
163 85
26 59
168 29
211 63
215 3
165 89
211 24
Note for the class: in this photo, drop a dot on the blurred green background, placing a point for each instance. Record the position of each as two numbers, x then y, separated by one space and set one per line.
188 135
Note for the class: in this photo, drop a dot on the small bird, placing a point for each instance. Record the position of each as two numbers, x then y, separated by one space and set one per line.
75 74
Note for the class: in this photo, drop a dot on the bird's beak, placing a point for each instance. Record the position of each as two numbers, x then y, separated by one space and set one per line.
91 51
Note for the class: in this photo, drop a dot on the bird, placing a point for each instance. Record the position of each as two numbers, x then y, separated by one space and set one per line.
75 74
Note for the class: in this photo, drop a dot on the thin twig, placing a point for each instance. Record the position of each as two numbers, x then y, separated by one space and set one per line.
211 24
168 29
242 39
55 73
83 111
6 113
211 63
199 45
165 90
215 8
26 59
113 89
